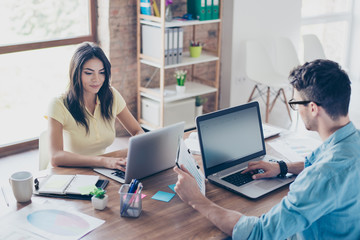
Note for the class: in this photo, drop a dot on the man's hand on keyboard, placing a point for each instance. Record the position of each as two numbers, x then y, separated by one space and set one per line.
270 169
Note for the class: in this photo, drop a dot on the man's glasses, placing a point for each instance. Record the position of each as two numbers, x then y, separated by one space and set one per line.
294 104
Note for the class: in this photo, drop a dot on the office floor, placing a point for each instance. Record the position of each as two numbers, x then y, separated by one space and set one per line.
29 160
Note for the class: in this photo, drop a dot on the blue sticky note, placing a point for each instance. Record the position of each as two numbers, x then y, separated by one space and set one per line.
172 187
163 196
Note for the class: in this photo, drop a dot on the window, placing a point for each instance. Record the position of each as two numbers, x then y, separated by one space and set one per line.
38 38
330 21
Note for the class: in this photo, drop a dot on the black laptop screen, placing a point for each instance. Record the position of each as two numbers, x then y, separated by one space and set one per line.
231 135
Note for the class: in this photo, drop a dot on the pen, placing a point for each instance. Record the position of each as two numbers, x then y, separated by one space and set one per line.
138 191
2 190
132 188
178 154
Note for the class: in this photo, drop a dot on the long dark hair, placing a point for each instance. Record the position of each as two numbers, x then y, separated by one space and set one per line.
74 97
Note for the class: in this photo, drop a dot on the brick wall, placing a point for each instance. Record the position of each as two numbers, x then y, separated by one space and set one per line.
120 45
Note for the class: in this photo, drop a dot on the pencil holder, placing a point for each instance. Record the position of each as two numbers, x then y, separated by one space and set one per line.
195 51
130 203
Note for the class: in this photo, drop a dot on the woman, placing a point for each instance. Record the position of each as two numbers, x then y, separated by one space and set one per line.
82 121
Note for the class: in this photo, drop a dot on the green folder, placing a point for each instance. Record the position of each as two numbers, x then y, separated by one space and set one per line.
208 14
197 9
215 9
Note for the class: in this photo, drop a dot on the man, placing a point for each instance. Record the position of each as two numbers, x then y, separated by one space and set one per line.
323 201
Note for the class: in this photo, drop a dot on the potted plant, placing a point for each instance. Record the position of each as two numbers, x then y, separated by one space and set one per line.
99 199
180 76
199 101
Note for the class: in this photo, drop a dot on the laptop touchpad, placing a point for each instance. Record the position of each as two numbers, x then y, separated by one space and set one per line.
268 184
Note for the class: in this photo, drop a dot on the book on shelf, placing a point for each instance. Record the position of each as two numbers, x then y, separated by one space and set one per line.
69 186
145 7
155 8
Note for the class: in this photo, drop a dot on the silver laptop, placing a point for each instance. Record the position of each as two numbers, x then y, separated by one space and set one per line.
229 139
148 154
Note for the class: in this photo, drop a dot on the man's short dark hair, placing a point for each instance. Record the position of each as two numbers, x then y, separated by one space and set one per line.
324 82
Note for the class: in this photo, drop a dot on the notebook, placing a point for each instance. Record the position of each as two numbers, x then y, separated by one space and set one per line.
69 186
148 153
229 139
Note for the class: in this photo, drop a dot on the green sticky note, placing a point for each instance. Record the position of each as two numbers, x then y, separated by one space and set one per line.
85 190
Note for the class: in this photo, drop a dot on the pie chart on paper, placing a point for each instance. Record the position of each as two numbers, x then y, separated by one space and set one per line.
58 222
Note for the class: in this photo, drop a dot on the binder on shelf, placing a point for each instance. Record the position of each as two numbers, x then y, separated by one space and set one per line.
197 8
167 46
208 14
151 39
180 45
173 44
145 7
215 9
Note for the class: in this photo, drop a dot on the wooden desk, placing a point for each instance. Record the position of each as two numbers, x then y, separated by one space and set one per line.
161 220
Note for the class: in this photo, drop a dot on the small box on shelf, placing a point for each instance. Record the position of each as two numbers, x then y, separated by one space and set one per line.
183 110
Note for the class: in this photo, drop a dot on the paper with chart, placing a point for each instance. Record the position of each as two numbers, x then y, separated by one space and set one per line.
47 221
295 148
189 162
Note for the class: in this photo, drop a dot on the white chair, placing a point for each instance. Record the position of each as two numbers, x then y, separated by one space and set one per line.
259 68
312 48
286 57
44 151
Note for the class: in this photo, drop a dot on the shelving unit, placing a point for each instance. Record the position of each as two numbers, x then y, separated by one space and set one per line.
165 93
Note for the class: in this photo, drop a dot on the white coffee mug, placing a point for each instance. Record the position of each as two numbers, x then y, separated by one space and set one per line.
22 185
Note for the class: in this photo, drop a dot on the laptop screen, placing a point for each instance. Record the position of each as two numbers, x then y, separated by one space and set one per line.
230 136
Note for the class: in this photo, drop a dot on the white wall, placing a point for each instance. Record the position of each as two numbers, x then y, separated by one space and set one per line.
242 20
354 58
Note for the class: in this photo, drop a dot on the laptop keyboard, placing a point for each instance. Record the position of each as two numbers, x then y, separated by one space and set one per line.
118 173
238 178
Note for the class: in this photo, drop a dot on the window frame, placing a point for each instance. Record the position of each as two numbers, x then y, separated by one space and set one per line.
29 144
335 17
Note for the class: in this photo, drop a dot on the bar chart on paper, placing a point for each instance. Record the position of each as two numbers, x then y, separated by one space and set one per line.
295 148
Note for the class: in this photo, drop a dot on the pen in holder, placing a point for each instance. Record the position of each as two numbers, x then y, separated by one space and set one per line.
130 203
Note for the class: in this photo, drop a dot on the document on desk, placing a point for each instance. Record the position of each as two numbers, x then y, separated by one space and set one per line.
48 221
295 148
189 162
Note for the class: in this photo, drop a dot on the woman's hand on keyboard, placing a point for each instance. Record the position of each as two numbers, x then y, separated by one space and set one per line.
270 169
114 163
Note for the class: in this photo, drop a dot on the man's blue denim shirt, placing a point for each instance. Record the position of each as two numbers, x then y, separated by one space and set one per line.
323 201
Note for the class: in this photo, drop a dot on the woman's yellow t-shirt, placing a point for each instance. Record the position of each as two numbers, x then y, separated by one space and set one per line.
101 132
